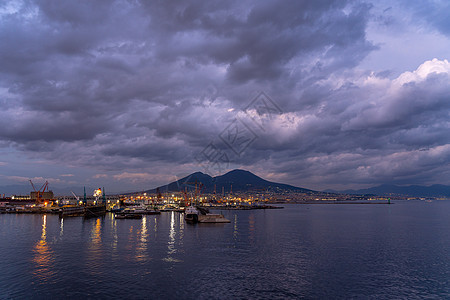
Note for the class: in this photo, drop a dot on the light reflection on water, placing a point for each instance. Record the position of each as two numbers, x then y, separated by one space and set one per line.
96 237
94 249
181 230
235 227
113 228
61 227
141 249
251 227
43 259
171 249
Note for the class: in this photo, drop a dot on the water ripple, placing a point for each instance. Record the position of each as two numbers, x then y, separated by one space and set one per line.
320 252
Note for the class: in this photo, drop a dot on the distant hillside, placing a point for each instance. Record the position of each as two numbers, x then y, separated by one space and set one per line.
436 190
237 180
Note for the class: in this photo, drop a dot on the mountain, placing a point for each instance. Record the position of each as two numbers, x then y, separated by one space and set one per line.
236 180
436 190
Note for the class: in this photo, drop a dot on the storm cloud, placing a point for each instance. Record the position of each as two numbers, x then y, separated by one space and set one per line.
131 93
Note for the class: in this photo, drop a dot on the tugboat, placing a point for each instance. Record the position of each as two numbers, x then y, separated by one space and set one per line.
195 214
191 214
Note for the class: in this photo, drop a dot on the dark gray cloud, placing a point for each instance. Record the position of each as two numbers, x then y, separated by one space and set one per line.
384 130
140 87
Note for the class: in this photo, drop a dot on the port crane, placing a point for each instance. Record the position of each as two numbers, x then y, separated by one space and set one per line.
186 198
39 192
197 192
76 197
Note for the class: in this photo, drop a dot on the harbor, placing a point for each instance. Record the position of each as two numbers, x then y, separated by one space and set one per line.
195 207
74 210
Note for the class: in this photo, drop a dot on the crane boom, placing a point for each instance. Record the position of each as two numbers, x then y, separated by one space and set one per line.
40 191
32 185
44 186
76 197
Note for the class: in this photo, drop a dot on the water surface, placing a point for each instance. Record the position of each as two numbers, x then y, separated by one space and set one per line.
302 251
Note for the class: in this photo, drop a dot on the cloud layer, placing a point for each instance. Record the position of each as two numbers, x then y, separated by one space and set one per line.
131 92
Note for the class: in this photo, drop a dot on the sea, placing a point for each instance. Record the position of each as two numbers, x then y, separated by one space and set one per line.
307 251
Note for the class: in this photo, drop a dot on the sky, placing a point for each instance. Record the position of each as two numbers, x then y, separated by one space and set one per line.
129 95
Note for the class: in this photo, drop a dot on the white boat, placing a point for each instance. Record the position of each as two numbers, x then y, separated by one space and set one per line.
193 214
171 207
127 216
140 210
129 213
133 210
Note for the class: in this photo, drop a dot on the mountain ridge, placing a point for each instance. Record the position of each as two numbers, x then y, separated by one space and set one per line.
435 190
233 181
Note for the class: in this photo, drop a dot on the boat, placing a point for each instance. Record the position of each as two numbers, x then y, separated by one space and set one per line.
150 210
116 210
170 208
196 214
46 210
127 216
95 210
135 212
71 210
141 209
132 210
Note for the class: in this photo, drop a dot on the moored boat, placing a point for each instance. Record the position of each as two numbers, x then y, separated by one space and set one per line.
195 214
71 210
127 216
170 208
141 209
95 210
116 209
